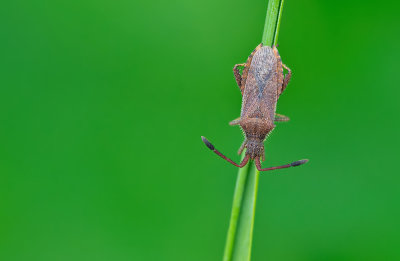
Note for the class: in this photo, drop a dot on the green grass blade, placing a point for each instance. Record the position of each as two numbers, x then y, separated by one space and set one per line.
235 213
242 250
240 232
271 27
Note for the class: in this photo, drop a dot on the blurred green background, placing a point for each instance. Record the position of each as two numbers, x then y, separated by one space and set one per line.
102 104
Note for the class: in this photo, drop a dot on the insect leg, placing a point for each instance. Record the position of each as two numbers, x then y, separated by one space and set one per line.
241 78
293 164
211 147
279 70
247 67
280 117
235 122
263 154
238 76
287 78
242 147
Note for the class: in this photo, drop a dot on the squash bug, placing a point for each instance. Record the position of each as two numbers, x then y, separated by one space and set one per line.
261 83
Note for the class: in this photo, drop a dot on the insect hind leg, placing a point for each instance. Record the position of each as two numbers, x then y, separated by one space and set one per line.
287 78
238 76
241 78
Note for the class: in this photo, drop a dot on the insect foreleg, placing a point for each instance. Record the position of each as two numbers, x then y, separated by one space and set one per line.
242 147
263 154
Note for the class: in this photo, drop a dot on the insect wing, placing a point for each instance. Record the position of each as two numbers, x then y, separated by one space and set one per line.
260 93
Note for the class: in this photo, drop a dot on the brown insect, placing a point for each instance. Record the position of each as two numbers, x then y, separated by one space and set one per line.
261 83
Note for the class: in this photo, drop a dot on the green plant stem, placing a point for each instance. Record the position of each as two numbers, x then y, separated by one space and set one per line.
272 21
240 232
236 207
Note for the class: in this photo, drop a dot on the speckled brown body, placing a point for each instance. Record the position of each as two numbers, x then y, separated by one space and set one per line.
261 84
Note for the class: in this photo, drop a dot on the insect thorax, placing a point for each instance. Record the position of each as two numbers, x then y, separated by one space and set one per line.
256 130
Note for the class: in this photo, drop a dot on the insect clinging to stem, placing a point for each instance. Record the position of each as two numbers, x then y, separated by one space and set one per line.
261 83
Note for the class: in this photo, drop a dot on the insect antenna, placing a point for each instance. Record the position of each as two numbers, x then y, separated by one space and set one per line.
293 164
211 147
